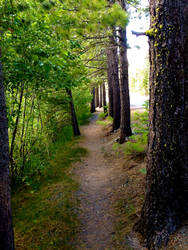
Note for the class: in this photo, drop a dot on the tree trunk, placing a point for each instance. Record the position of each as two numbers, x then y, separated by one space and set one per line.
6 229
104 98
12 163
166 201
125 127
100 99
92 108
96 97
110 88
114 79
75 126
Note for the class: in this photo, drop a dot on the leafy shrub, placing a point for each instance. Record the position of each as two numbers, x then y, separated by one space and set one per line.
102 116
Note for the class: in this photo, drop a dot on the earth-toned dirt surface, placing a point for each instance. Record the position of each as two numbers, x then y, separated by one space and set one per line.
111 194
97 176
100 175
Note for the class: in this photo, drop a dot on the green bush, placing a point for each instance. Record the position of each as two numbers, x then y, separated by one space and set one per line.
102 116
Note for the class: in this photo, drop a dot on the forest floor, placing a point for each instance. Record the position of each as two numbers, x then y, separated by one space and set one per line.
89 197
111 193
102 182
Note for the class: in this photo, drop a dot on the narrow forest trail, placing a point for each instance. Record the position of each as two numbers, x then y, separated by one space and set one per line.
98 179
105 179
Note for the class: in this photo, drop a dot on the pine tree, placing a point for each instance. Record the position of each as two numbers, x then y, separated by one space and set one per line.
6 229
113 78
166 201
125 127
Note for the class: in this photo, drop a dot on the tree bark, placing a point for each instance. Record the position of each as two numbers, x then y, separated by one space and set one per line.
6 229
96 97
113 78
125 127
166 201
110 88
104 98
15 130
100 99
75 126
92 108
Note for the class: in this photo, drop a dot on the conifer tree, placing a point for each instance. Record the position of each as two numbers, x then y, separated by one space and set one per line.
6 229
125 127
166 201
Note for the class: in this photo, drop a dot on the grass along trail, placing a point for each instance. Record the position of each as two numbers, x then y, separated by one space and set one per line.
109 185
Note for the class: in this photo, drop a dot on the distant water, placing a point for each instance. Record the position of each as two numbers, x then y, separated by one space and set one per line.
137 100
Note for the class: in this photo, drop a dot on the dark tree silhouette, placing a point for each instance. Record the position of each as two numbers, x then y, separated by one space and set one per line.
113 78
101 96
6 229
75 126
125 127
166 201
97 97
110 88
104 98
92 108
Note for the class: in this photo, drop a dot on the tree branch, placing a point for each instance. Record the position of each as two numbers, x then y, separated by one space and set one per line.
138 33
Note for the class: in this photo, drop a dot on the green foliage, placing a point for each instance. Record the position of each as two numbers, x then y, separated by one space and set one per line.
146 105
138 141
108 120
102 116
115 16
101 123
135 146
82 98
140 81
44 215
143 170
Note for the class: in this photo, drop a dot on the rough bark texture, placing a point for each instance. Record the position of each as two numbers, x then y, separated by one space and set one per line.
113 81
110 88
104 98
6 230
75 126
92 108
125 127
100 99
166 201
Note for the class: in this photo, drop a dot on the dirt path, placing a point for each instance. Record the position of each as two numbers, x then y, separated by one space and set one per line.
98 179
106 179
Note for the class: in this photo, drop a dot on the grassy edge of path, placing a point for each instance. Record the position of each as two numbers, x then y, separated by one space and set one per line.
47 218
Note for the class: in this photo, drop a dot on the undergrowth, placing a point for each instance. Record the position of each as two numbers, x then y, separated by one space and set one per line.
137 143
104 120
44 210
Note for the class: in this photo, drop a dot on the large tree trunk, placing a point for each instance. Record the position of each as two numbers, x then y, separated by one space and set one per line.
166 201
104 98
110 88
125 127
113 78
75 126
6 230
97 97
92 108
100 99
